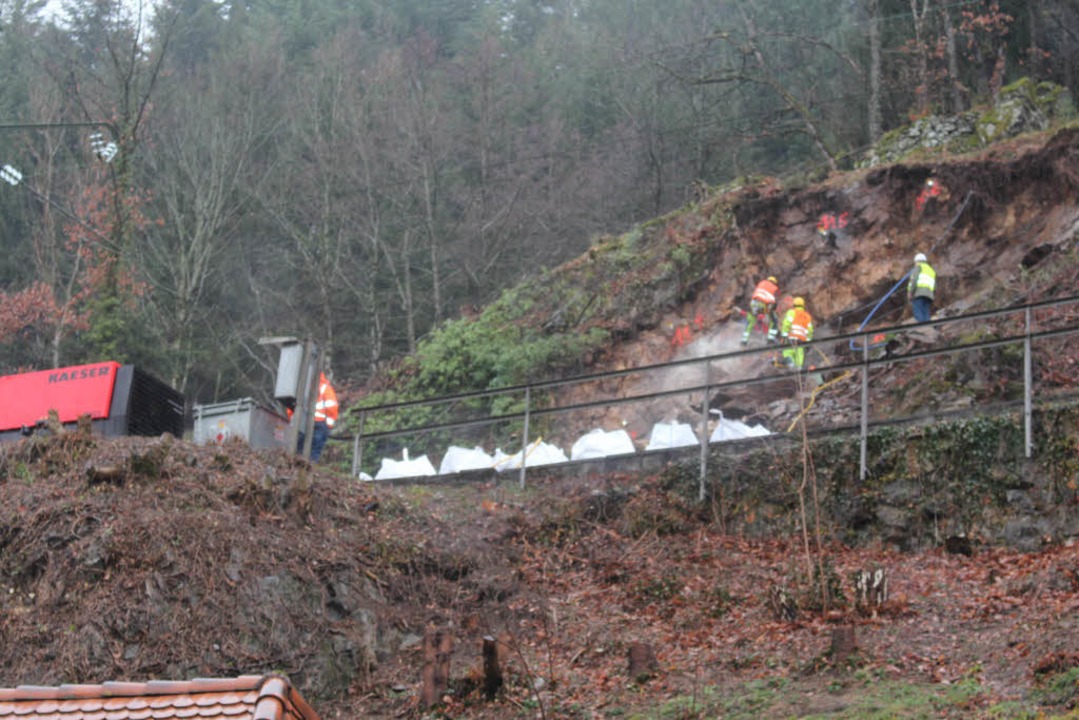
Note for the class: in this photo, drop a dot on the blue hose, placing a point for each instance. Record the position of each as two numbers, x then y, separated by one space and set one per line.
877 307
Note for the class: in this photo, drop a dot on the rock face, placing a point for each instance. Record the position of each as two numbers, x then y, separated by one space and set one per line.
1008 215
1024 106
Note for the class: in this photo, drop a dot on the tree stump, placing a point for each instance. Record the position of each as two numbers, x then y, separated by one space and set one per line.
437 648
843 644
784 606
111 474
959 545
492 666
871 591
52 422
642 662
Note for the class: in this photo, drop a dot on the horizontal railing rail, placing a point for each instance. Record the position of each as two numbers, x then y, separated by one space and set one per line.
608 374
860 361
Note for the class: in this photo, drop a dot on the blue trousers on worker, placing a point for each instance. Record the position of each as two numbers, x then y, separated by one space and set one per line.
923 308
319 436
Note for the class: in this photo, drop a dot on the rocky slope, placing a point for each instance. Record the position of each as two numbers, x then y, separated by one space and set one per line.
1000 227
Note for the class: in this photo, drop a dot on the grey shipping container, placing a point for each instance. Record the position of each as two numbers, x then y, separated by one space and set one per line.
244 419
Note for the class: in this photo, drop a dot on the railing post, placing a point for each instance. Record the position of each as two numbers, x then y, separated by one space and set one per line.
701 494
357 451
524 434
864 435
1028 389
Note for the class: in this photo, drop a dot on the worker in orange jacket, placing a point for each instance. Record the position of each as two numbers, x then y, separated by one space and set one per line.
797 328
325 418
763 302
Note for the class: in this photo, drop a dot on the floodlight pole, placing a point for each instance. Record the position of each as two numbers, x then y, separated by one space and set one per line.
13 177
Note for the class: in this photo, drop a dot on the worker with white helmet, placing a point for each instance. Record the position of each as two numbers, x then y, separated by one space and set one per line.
921 288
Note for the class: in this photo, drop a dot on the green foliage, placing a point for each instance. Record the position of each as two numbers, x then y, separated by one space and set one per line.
825 590
1060 689
866 697
108 327
641 518
659 588
958 470
494 350
719 601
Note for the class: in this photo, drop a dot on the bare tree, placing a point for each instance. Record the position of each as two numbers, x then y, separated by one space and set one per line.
919 14
876 125
109 75
199 159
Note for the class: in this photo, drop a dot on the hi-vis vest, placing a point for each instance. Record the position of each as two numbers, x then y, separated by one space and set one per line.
766 292
798 324
326 407
923 281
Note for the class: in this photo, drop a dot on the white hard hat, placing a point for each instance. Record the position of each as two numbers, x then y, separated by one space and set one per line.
920 257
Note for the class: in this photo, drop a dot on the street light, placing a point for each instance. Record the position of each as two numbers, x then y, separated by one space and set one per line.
105 151
10 175
13 177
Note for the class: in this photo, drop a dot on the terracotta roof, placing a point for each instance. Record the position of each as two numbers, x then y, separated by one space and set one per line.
250 697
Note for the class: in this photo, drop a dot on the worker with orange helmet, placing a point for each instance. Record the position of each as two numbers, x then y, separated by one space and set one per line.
762 305
797 328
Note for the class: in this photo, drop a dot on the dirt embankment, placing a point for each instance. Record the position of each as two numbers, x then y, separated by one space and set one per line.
140 559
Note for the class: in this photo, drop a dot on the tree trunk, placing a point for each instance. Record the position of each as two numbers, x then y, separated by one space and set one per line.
642 662
843 644
876 123
437 648
492 667
432 239
922 91
958 105
406 290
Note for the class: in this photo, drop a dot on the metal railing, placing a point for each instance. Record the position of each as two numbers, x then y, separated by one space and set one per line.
862 356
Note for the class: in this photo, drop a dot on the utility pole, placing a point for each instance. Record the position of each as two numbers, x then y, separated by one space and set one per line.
298 371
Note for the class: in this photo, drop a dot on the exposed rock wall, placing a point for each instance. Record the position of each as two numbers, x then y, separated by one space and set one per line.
1024 106
965 479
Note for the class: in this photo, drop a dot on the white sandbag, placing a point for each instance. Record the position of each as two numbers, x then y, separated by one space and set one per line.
539 453
392 469
599 443
458 459
735 430
671 435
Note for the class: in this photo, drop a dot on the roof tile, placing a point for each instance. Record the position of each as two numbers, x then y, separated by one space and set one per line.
248 697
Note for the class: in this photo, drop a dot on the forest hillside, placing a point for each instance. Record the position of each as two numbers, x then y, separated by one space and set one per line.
181 178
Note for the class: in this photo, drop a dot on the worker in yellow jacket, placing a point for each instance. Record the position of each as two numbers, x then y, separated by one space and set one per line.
797 328
921 288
